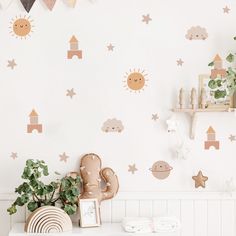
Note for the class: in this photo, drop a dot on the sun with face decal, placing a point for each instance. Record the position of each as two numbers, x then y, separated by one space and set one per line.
21 27
135 80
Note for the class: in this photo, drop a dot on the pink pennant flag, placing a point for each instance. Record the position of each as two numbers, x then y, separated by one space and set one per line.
71 3
50 4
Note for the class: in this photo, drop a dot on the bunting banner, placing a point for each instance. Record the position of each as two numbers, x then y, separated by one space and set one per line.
71 3
50 4
27 4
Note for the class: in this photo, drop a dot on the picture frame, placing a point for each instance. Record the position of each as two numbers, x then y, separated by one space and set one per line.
89 213
211 101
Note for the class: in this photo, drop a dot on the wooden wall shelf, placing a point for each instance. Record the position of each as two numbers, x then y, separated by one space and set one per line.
193 113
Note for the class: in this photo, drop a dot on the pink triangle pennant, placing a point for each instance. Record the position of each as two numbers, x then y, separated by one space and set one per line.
50 4
71 3
27 4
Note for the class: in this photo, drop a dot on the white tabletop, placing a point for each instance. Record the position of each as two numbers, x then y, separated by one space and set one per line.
106 229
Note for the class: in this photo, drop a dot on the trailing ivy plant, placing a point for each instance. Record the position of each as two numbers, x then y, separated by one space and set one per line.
227 86
34 193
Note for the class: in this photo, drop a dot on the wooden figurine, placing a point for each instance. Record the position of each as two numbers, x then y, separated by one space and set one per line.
181 98
203 98
193 98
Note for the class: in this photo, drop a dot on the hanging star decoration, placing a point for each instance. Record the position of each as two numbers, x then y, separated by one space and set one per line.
146 18
182 152
14 155
232 138
200 180
226 9
172 124
110 47
70 93
11 64
132 168
155 117
63 157
229 186
180 62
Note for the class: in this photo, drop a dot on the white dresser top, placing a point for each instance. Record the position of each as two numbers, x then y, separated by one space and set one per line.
106 229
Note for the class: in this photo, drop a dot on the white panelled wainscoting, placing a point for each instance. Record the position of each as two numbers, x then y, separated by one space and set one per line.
201 213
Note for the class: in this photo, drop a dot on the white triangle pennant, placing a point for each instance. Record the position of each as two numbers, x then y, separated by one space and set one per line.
4 4
71 3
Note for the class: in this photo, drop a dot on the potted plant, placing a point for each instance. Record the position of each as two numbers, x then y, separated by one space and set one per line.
34 193
226 86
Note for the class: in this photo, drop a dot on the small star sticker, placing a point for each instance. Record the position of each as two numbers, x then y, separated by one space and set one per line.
226 9
11 63
200 180
155 117
232 138
14 155
132 168
146 18
63 157
110 47
70 93
180 62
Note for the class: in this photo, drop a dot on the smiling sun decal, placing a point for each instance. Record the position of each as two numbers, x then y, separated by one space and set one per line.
21 27
135 80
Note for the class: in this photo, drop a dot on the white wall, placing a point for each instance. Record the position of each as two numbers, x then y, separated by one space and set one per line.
43 74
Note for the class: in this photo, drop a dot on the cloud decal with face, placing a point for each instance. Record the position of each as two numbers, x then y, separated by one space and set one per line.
196 33
112 125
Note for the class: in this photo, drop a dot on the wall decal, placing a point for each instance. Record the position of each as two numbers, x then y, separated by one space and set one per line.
132 168
50 4
14 155
63 157
34 125
11 64
180 62
74 48
70 93
232 138
172 124
161 169
71 3
211 140
226 9
135 80
200 180
196 33
229 186
146 18
112 125
182 152
27 4
110 47
218 68
21 27
155 117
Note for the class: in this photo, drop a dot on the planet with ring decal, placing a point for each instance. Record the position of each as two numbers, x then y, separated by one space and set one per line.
161 169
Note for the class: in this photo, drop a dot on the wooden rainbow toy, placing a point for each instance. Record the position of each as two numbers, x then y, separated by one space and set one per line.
48 219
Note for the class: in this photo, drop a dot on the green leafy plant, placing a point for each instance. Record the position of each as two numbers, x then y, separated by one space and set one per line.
34 193
229 82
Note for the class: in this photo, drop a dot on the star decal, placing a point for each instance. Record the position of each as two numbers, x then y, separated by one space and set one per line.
63 157
226 9
155 117
11 63
182 152
14 155
132 168
146 18
232 138
110 47
180 62
200 180
70 93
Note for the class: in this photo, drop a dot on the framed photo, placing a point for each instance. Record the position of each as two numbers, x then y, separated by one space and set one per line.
89 213
216 92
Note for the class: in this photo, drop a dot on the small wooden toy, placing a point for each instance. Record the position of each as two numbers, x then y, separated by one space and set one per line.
181 98
218 68
203 98
193 98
